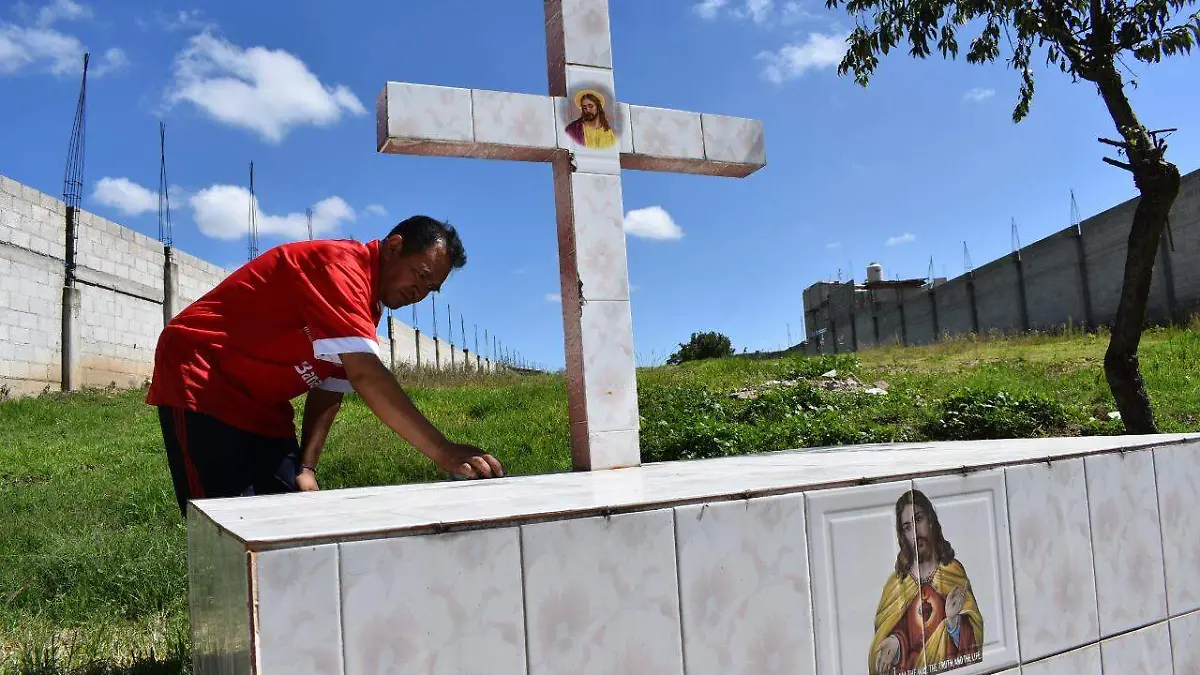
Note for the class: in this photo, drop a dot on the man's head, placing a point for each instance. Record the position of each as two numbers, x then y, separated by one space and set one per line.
415 259
592 109
919 533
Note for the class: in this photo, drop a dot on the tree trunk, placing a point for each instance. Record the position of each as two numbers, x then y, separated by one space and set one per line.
1158 182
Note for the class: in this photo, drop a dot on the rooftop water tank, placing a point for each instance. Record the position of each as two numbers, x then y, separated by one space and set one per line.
874 273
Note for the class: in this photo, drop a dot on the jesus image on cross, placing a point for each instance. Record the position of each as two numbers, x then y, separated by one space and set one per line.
591 129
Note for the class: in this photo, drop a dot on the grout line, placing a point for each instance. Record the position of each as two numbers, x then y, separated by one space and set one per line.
1162 544
339 586
679 589
524 597
808 587
1087 498
1012 565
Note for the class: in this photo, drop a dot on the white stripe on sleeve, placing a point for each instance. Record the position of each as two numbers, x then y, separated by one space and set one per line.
328 349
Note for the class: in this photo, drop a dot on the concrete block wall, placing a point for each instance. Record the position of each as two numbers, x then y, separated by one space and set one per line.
117 337
30 321
918 319
1054 290
31 220
195 277
1185 231
432 353
998 296
891 326
954 307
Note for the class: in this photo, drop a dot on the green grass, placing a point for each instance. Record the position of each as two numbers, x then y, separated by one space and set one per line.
93 551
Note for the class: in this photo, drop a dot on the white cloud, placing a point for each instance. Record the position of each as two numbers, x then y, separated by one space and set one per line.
222 212
906 238
652 222
185 19
707 9
125 196
794 12
553 297
759 11
819 51
978 94
62 10
266 91
375 210
41 47
114 59
833 245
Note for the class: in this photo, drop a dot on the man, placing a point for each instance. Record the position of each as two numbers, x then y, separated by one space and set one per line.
591 129
927 615
299 319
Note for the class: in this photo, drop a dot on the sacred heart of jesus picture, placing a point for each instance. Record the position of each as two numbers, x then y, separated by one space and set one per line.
928 619
595 119
913 577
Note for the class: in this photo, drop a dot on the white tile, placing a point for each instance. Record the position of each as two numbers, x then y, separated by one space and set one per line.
744 596
513 119
425 112
608 365
1177 471
1085 661
1143 651
614 449
854 553
601 595
1126 544
600 236
1052 557
733 139
972 514
586 32
434 605
299 623
660 132
1185 643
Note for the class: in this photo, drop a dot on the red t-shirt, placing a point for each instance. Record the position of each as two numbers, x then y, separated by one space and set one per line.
270 332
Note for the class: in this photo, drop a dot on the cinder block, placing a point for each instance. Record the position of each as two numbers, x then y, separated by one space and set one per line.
22 239
22 207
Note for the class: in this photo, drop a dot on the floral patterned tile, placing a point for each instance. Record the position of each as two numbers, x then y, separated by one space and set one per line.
1177 471
513 119
1143 651
602 595
733 139
1085 661
600 236
1185 643
608 366
426 112
1127 546
660 132
1052 557
586 32
744 587
447 603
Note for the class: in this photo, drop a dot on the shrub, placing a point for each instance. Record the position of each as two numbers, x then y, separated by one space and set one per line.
976 414
711 345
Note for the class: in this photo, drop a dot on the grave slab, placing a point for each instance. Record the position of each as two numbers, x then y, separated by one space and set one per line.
789 560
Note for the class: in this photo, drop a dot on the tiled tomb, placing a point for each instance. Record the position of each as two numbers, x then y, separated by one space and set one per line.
1032 557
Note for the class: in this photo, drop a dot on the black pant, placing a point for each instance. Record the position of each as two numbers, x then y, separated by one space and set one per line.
209 458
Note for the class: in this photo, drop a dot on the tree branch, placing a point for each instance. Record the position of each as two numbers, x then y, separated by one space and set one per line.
1117 144
1119 165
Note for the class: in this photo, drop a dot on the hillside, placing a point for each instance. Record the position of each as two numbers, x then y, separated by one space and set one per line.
94 553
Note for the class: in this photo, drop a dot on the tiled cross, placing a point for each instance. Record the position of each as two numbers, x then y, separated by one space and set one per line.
418 119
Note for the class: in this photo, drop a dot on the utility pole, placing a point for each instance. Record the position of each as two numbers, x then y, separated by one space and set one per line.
253 238
308 215
71 375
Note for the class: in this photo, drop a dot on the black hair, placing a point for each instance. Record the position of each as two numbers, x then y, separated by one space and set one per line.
421 232
907 556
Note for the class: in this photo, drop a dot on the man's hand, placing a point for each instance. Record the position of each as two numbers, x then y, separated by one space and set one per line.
468 461
306 481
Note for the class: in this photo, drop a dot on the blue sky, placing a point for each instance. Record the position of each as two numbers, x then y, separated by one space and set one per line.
899 172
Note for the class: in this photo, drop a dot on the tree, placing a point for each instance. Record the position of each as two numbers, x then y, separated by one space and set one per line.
702 346
1086 40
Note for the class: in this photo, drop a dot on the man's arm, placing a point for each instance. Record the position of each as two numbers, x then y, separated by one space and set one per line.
320 408
383 395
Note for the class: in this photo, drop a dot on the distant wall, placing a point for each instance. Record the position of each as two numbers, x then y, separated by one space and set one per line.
126 286
1070 278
